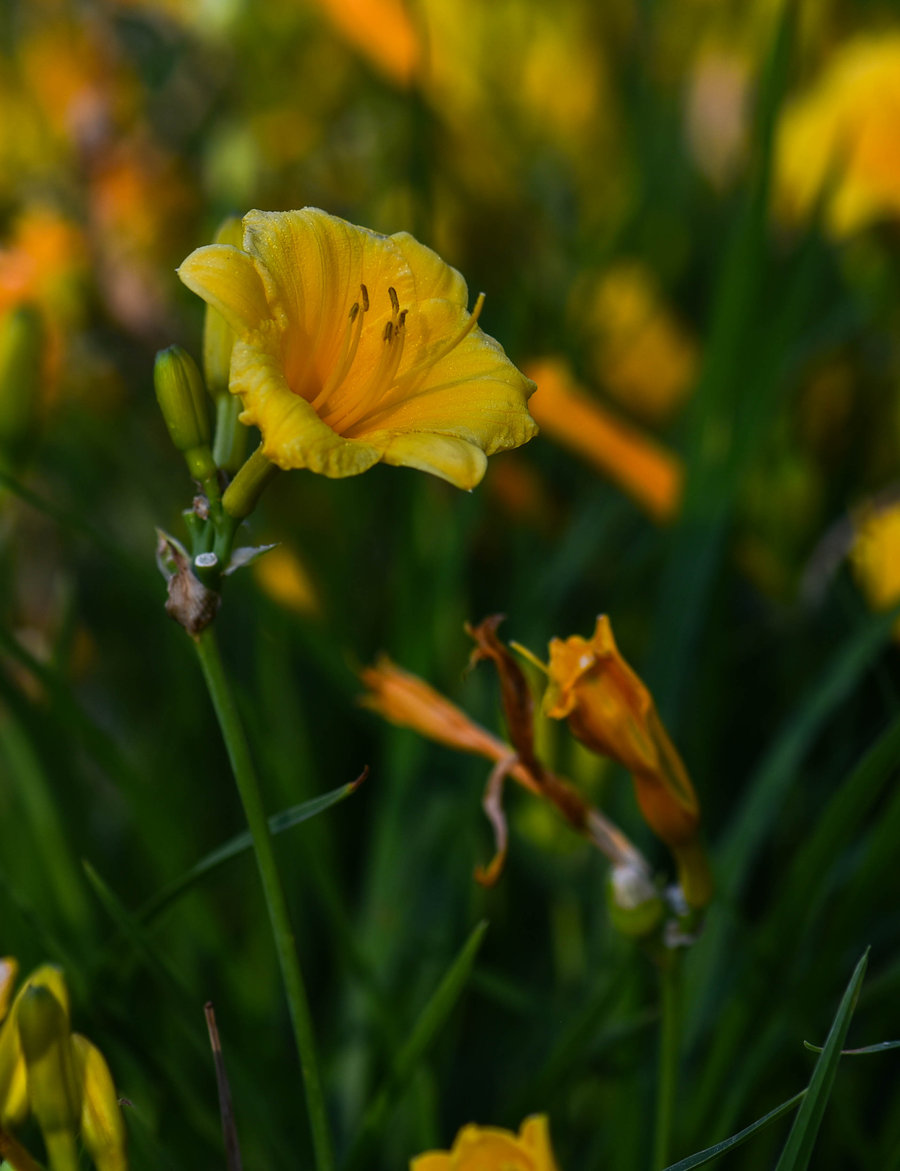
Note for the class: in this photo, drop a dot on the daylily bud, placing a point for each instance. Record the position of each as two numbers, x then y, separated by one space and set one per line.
102 1125
13 1074
182 400
21 363
53 1090
230 446
218 336
611 711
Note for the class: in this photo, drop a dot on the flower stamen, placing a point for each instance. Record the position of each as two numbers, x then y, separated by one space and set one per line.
382 379
348 350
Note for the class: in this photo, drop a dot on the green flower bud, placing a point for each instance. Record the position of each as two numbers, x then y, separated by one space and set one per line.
182 400
218 337
21 370
53 1086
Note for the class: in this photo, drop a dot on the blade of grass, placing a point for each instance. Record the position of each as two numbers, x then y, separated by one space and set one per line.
723 387
880 1047
426 1028
799 1146
239 844
702 1158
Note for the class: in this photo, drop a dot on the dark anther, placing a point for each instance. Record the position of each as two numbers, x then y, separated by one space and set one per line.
402 321
395 303
354 309
365 298
388 331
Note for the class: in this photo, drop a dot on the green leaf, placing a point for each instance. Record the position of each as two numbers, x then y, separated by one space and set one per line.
798 1148
881 1047
241 843
712 1153
431 1019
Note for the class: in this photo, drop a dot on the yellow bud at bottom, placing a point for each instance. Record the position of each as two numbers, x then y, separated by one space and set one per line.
102 1125
53 1089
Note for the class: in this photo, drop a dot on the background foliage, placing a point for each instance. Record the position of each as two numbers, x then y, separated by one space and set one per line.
537 153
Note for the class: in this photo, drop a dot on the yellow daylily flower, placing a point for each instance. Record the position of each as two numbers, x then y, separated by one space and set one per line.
842 138
352 348
487 1148
609 709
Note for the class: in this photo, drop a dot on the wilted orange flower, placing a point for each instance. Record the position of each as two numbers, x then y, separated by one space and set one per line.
844 134
410 702
610 710
354 348
640 466
487 1148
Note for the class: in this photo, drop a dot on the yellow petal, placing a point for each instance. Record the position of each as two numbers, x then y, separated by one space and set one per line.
432 1161
293 434
434 278
535 1137
226 278
102 1125
455 460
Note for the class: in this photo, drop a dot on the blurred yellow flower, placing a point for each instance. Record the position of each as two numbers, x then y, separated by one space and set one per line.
641 355
875 557
354 348
638 465
843 138
487 1148
610 710
284 577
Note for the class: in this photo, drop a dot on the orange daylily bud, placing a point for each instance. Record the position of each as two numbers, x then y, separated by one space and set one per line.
610 710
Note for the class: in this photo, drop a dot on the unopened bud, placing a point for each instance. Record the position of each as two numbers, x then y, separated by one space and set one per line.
182 400
218 336
53 1089
13 1074
21 370
102 1125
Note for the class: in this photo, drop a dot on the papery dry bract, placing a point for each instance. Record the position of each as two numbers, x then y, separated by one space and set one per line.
354 348
488 1148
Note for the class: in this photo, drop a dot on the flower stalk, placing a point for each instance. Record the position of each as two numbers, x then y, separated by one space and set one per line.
288 959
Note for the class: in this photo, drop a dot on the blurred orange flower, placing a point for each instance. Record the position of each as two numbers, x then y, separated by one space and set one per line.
382 30
610 710
640 466
487 1148
354 348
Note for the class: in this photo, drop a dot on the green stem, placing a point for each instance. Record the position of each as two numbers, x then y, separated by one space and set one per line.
669 1054
248 787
